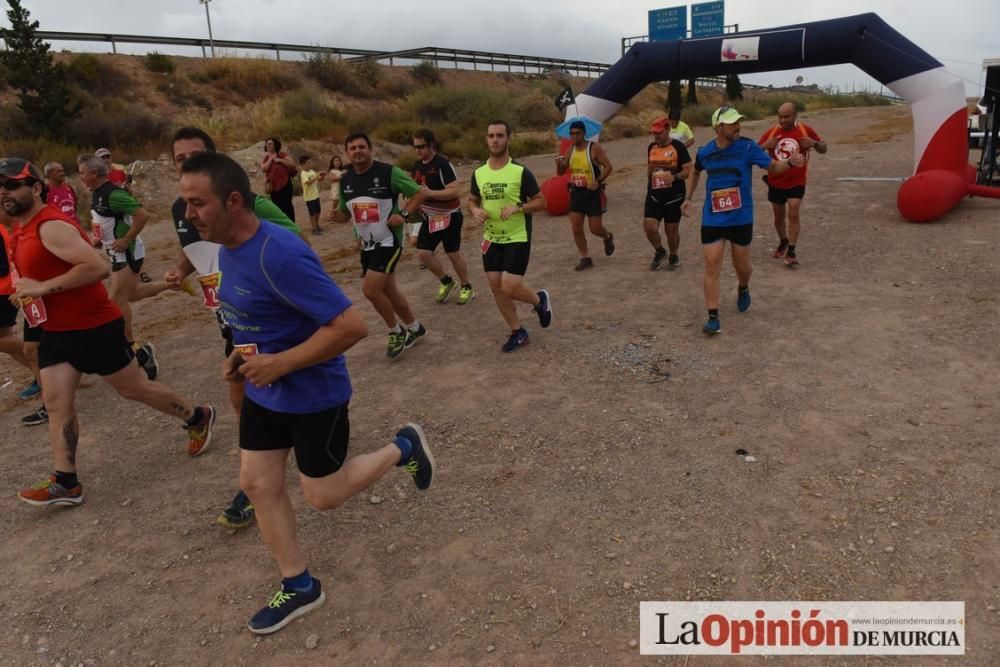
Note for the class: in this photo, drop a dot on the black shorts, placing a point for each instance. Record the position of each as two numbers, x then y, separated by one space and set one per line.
318 438
507 258
591 203
102 350
8 312
313 206
380 259
130 261
450 236
31 334
663 207
781 196
737 234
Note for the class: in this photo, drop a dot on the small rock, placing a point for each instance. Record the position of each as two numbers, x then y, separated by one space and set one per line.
611 555
491 648
627 585
391 548
889 550
632 643
375 500
749 458
312 641
127 502
432 647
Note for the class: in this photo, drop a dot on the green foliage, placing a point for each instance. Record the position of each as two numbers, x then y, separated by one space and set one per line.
336 75
536 111
44 93
250 78
734 87
369 72
426 72
398 132
159 62
118 125
180 91
43 150
304 115
98 76
467 107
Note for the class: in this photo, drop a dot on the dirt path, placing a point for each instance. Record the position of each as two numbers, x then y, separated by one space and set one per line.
589 471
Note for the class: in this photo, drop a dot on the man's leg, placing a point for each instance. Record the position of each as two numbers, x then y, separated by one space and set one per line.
428 259
596 223
672 230
794 209
400 305
652 228
373 287
506 307
741 262
59 384
579 238
514 289
780 228
132 384
262 477
356 475
123 284
713 253
461 268
12 345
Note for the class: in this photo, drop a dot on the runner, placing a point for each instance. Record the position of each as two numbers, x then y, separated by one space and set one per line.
291 326
203 257
369 194
442 217
669 165
62 195
503 196
13 345
116 172
680 130
57 281
117 219
589 168
728 211
788 189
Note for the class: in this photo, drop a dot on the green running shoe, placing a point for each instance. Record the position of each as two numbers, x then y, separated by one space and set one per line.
397 343
466 295
445 290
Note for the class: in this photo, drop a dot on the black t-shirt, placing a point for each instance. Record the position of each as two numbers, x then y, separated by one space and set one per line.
437 175
670 157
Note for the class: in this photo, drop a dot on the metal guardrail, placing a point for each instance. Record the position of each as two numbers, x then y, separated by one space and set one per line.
508 61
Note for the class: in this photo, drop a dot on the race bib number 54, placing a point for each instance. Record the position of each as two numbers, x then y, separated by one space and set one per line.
726 199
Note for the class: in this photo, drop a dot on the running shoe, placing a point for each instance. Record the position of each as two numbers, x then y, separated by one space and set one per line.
673 263
286 606
585 263
743 300
36 418
413 336
239 514
657 260
466 295
791 259
421 461
713 326
779 252
609 245
146 356
50 492
517 339
397 343
145 277
31 391
543 309
445 290
200 435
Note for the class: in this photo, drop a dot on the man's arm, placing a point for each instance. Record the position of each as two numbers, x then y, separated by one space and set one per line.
175 276
63 240
340 214
474 203
602 159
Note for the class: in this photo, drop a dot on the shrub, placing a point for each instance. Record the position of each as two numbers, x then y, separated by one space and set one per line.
426 72
159 62
369 72
356 80
466 107
523 146
251 78
305 115
180 91
398 87
133 128
97 75
398 132
535 111
41 151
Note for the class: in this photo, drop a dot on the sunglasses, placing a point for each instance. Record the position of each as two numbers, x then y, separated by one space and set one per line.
13 184
419 147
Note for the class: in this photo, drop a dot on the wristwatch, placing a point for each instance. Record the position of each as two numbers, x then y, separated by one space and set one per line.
403 212
520 206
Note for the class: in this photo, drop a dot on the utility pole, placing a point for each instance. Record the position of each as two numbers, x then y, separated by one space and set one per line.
208 19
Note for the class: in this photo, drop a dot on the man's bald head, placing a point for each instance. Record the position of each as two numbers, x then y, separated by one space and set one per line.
787 115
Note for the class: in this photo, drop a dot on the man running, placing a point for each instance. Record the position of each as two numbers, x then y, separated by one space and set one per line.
57 279
369 194
62 195
589 167
117 219
442 217
728 211
291 326
787 190
669 165
680 130
503 196
203 257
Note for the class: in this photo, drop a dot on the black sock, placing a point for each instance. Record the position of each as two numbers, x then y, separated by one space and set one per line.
744 288
195 418
660 252
791 249
713 313
783 243
674 258
66 480
446 280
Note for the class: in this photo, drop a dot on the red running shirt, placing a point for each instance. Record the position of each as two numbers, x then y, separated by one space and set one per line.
788 143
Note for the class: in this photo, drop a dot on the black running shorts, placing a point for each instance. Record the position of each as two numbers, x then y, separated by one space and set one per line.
450 236
102 350
591 203
318 438
380 259
668 210
130 261
737 234
507 258
31 334
8 312
781 196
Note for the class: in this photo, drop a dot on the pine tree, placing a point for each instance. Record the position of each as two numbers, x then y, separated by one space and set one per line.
692 95
44 93
734 87
674 94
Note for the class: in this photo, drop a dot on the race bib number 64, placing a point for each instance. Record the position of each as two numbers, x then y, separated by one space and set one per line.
726 199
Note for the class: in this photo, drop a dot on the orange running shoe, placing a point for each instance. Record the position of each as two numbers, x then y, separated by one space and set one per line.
49 492
200 435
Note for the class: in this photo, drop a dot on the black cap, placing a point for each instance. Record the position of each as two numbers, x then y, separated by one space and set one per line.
15 167
578 125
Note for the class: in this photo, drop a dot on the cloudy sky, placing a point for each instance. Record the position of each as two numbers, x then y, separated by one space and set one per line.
960 34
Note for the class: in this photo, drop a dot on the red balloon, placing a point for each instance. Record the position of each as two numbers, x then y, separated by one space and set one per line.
556 192
930 194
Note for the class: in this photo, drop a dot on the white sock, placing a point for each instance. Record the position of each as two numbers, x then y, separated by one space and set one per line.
414 326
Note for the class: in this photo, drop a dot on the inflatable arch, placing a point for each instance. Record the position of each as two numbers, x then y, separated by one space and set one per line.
942 175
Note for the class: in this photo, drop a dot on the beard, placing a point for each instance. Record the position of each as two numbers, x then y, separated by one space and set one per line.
15 207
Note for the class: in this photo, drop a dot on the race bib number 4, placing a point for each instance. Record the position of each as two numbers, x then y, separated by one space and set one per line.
437 223
210 285
34 311
726 199
365 212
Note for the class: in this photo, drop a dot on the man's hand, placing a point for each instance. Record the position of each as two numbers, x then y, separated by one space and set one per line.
395 220
594 185
230 368
29 289
771 144
807 142
508 211
479 214
173 278
797 160
263 369
120 245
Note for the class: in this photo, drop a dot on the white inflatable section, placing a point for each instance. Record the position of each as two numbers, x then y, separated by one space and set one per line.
934 96
594 107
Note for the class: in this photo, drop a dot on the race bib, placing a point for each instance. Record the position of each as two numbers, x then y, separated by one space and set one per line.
210 285
659 180
96 229
578 181
437 223
34 311
726 199
246 350
485 245
365 212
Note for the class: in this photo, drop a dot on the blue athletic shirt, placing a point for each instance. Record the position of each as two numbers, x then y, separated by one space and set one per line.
728 168
275 294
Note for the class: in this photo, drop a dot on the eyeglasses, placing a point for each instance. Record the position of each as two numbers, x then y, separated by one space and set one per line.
14 184
419 147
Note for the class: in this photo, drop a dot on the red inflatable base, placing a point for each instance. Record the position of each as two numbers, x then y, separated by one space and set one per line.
556 193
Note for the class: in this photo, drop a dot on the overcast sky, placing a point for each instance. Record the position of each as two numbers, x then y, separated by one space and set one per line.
960 33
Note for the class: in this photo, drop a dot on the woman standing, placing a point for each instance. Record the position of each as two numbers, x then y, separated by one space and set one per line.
278 169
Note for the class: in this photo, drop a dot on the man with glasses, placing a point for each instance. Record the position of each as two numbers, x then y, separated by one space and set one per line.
442 217
589 167
57 282
728 211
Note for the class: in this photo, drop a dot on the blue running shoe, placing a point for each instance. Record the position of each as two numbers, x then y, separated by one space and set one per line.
285 607
713 326
544 309
29 392
743 300
517 339
421 461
